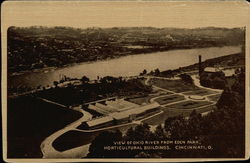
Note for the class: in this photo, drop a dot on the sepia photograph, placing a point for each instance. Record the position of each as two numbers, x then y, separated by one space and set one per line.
134 80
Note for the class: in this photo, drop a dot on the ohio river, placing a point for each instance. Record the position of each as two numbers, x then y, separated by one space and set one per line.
124 66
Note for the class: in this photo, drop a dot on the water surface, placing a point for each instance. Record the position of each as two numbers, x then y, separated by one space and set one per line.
124 66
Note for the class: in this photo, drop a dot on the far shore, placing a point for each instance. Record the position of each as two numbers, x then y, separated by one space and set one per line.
47 69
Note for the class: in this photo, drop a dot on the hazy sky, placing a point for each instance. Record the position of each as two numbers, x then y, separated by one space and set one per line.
117 14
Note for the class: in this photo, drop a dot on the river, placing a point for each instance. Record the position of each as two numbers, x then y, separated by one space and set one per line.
123 66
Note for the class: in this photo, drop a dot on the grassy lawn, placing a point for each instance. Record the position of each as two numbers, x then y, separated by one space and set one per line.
159 119
140 100
201 92
30 121
169 99
145 100
189 104
73 139
173 85
215 97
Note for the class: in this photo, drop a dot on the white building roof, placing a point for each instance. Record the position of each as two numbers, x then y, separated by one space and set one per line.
137 110
127 103
114 104
211 69
97 109
120 115
99 121
105 107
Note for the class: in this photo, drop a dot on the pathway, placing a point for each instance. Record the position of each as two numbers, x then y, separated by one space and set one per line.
47 148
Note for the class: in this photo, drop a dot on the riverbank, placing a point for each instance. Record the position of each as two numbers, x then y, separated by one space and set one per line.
52 68
59 46
124 66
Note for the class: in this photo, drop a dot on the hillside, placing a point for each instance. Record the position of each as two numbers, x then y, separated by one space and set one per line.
39 47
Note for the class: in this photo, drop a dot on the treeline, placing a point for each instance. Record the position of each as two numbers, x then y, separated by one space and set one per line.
223 130
38 47
107 87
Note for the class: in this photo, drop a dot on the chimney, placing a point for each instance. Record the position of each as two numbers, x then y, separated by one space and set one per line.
200 66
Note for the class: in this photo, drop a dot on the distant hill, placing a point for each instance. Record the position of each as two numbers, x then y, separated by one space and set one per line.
38 47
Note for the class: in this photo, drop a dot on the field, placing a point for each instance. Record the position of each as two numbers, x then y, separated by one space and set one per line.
173 85
30 121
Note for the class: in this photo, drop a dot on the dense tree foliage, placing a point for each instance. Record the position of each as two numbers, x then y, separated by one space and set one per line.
107 87
186 78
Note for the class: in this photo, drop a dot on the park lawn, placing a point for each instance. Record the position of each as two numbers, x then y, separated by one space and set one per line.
189 104
214 97
145 100
201 92
140 100
74 138
188 111
30 121
174 85
169 99
160 118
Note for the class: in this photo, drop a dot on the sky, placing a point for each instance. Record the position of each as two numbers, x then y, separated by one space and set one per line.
126 14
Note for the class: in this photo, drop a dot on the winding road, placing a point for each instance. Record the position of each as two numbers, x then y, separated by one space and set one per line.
46 146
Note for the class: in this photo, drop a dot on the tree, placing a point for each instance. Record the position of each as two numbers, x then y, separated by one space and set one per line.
85 79
140 132
144 72
159 132
186 78
157 72
109 79
56 83
177 126
106 138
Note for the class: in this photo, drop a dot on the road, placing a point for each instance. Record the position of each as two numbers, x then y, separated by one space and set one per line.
47 148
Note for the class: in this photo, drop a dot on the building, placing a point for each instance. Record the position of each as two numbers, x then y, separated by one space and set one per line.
212 77
119 116
111 106
100 122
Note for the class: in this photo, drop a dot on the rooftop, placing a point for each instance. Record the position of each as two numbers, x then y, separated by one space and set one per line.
212 69
98 121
